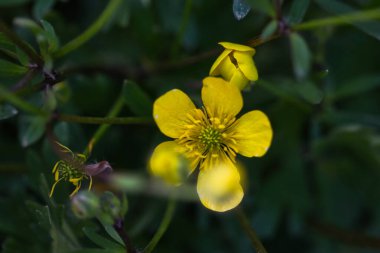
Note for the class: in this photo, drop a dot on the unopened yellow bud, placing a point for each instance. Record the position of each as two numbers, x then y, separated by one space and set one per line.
169 164
235 65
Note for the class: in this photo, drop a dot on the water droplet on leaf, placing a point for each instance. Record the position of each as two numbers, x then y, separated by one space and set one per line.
240 9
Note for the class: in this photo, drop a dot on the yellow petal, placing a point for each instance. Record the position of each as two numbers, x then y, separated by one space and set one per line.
227 69
169 112
220 98
239 80
169 163
237 47
252 133
219 187
75 181
215 68
246 65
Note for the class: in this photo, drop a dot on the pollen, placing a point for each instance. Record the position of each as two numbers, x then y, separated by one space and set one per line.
210 137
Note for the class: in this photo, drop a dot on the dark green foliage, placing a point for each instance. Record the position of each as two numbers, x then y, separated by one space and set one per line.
319 87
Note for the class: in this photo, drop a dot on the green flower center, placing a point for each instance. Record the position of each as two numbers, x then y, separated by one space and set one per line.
210 137
68 171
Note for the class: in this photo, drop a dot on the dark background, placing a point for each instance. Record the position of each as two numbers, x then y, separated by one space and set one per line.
316 190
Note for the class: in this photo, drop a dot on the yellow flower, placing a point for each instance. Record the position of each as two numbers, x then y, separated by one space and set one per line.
212 136
71 169
235 65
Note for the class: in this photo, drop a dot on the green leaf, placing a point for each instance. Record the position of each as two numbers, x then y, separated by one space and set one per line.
355 87
4 41
50 102
40 213
240 8
7 111
371 28
51 36
28 24
42 36
285 93
310 92
10 69
264 6
136 99
297 11
31 129
113 233
22 57
15 245
269 29
100 240
60 242
6 45
300 55
41 7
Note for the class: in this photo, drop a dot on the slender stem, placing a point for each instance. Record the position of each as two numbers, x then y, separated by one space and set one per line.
20 43
91 31
26 79
182 27
163 226
21 104
259 40
345 19
244 222
349 237
104 127
119 227
28 89
105 120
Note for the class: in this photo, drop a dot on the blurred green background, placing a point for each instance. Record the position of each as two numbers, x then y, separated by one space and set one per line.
316 190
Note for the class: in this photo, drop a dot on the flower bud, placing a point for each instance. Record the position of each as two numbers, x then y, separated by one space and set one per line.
111 207
168 163
85 205
235 65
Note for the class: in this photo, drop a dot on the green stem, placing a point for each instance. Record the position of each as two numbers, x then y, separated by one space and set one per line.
244 222
182 27
21 44
105 120
163 226
21 104
104 127
345 19
91 31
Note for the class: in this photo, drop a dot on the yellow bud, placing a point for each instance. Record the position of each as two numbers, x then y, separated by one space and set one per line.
169 164
235 65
